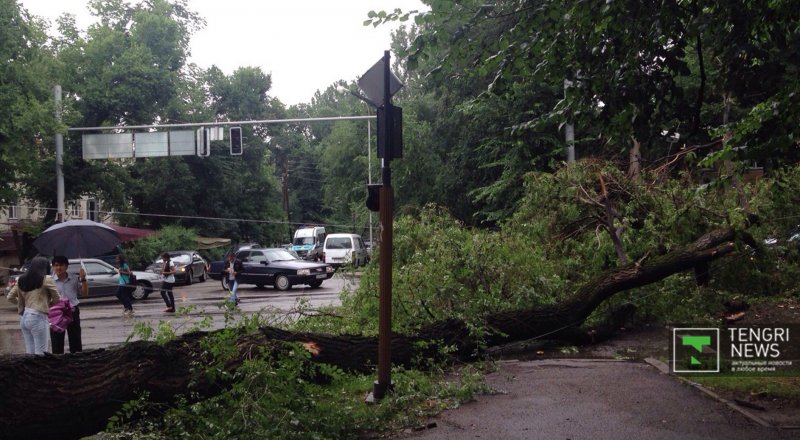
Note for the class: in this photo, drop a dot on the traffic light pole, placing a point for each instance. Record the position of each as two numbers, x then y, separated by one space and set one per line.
386 200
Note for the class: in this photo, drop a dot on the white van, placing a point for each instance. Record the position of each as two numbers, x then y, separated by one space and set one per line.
307 242
342 249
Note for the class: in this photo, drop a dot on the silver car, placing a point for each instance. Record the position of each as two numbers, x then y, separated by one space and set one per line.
103 279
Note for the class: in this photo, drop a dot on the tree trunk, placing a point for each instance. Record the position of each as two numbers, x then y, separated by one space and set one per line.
635 159
73 395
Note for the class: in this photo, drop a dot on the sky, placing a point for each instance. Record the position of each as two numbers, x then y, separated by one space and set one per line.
305 45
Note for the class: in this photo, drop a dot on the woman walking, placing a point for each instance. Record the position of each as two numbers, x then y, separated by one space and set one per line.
33 294
168 273
123 290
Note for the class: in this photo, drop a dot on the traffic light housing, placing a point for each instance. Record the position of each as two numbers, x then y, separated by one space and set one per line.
374 196
390 132
236 141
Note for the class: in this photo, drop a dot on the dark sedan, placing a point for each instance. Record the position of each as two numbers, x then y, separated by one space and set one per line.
189 265
276 267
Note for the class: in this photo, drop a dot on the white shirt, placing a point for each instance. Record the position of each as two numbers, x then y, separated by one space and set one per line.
171 277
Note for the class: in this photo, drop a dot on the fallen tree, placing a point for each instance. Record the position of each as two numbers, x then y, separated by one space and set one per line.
73 395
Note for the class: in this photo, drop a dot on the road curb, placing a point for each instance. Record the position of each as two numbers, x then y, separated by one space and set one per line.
664 368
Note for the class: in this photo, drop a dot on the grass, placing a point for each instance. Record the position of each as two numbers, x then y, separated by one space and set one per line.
780 387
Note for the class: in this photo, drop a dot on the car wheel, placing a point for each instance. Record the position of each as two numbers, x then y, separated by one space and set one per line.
315 284
189 278
282 282
203 276
142 291
225 284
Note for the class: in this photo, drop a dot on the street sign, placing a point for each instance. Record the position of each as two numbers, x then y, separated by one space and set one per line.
151 144
371 83
203 142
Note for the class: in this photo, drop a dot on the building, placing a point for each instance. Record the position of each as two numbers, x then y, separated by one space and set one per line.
14 220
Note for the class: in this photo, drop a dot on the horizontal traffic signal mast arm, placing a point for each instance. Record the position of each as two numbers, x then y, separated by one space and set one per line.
224 123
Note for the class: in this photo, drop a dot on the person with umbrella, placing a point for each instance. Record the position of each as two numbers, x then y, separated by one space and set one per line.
123 290
69 287
85 238
33 294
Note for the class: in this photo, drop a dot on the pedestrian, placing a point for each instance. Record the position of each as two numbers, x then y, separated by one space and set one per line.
168 280
33 294
123 289
68 287
233 267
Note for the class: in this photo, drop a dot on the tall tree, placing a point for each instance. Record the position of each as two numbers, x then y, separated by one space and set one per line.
26 129
638 70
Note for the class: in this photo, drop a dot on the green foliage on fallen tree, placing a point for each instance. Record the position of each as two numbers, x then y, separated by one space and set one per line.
560 237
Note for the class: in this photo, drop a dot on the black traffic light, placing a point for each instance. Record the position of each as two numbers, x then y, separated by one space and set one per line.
390 132
373 196
236 141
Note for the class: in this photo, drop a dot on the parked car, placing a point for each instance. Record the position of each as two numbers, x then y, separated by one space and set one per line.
103 279
189 265
276 267
342 249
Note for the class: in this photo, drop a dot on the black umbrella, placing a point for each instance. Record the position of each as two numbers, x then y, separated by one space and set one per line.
76 239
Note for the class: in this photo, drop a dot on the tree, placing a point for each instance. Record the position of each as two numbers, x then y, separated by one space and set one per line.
243 187
500 69
26 97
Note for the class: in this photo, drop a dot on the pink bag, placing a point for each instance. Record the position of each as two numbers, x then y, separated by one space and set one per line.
60 315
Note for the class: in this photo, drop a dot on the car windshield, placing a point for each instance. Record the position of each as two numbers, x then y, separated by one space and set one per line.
279 255
181 259
177 259
299 241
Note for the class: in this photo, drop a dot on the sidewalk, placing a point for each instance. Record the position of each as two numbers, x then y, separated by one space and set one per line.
592 399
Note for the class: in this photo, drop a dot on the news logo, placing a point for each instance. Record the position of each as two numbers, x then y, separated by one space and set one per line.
695 350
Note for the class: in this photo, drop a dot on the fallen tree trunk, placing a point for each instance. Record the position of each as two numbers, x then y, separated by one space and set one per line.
73 395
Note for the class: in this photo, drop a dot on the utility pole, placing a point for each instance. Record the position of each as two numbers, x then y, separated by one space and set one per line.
60 213
369 170
569 130
285 191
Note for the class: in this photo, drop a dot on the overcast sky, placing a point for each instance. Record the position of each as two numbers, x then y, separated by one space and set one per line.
305 44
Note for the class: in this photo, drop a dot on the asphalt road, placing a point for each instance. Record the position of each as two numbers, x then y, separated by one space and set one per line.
103 324
592 399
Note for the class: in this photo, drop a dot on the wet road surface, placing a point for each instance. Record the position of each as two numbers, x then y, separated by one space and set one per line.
103 323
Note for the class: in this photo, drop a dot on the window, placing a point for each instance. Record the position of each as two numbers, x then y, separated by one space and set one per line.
93 268
12 212
180 259
91 209
75 209
339 243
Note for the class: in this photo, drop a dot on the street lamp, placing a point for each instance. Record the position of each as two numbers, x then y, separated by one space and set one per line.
367 102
